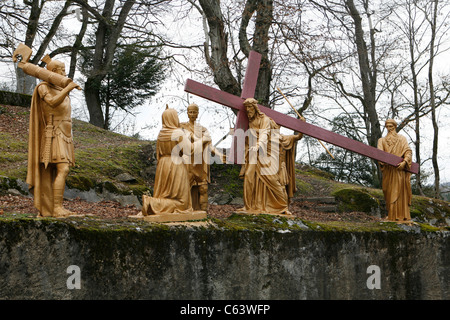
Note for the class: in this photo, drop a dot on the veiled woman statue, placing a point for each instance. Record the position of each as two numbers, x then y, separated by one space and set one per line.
171 192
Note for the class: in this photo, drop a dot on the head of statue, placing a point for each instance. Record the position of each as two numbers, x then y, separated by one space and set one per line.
251 108
55 65
192 111
170 119
391 125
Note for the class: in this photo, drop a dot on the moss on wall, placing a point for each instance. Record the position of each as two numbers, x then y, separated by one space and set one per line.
428 209
7 183
243 257
15 99
225 179
358 200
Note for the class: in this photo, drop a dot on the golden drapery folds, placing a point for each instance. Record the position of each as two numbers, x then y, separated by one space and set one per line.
199 166
50 145
396 183
50 142
268 172
171 192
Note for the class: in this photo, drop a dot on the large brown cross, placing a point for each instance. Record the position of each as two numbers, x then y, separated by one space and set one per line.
248 91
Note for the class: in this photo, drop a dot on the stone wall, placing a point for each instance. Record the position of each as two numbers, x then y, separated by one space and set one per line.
15 99
151 261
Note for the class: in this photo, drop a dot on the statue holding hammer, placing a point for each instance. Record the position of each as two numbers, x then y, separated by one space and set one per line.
50 145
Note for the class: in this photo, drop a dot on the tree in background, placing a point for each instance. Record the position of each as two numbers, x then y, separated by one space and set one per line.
392 45
348 167
135 75
423 24
110 23
114 20
34 23
217 43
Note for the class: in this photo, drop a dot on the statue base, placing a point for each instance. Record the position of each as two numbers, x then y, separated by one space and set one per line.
172 217
71 215
285 215
407 222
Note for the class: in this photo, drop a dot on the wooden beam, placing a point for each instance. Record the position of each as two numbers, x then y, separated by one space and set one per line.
281 119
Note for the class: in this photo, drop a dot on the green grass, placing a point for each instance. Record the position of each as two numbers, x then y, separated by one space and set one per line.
101 155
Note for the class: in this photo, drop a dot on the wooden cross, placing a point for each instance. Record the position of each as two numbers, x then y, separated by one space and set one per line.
248 91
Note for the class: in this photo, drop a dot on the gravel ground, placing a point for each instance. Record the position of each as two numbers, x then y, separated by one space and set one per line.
113 210
14 121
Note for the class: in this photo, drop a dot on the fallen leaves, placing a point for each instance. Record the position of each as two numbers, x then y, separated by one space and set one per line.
113 210
14 121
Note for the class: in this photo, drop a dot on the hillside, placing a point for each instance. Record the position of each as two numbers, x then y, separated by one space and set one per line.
111 169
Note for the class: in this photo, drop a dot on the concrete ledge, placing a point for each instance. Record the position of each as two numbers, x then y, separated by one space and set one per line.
240 258
196 215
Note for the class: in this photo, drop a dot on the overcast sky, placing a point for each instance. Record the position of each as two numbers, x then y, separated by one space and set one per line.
216 118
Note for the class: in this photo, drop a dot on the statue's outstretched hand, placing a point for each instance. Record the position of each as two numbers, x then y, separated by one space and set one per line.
401 165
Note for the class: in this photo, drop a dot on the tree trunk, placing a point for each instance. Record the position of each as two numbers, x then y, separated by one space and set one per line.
368 75
216 54
107 36
92 97
25 83
78 43
264 16
416 109
51 32
434 159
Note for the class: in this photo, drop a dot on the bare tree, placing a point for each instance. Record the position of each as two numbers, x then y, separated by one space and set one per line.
432 20
410 27
365 50
36 21
106 37
419 24
217 43
351 23
113 20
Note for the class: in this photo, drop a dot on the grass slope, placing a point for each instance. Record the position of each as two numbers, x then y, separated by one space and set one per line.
103 156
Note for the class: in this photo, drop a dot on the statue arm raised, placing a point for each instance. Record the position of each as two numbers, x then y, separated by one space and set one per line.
55 100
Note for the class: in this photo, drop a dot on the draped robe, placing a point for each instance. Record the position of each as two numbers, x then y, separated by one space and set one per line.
396 184
40 175
171 192
199 166
269 176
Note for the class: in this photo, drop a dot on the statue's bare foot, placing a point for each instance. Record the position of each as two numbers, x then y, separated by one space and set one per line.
139 215
61 212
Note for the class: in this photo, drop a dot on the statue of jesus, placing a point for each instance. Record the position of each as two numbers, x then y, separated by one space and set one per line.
266 178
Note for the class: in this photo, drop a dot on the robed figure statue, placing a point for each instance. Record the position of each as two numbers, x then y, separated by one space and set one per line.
396 181
268 171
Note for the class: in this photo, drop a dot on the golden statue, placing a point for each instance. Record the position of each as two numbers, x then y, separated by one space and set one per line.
50 145
171 200
268 172
396 183
199 166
